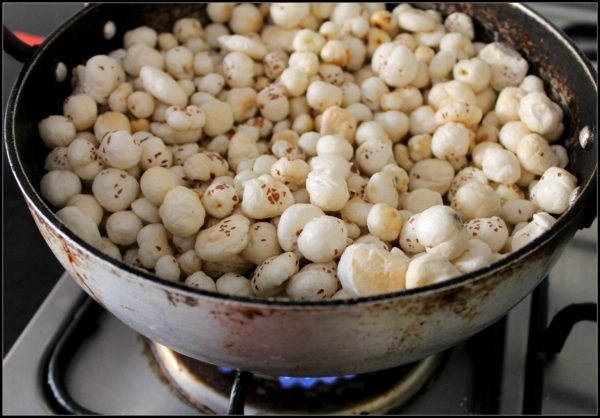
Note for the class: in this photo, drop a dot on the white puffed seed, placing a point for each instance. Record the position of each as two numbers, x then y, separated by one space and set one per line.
305 61
541 115
110 249
541 223
145 210
366 269
102 74
262 243
436 225
493 231
395 124
397 66
433 173
136 57
508 103
478 152
57 159
238 69
272 103
181 212
420 199
552 193
318 250
294 81
167 268
123 227
335 144
83 159
200 280
179 63
400 177
419 147
384 222
532 83
265 197
501 166
477 255
223 240
515 211
117 101
81 225
58 186
269 277
189 263
110 121
220 199
57 131
508 67
423 121
335 52
308 40
246 19
356 211
140 104
292 221
372 90
511 133
321 95
429 269
141 34
535 154
234 285
460 22
311 285
162 86
81 109
373 155
288 15
476 200
115 189
187 28
381 188
291 173
450 140
474 72
327 189
120 150
408 236
338 121
88 206
156 182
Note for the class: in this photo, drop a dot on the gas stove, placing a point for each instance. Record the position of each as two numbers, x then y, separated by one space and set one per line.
76 358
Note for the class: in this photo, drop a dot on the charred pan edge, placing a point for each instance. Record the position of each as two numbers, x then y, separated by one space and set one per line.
50 219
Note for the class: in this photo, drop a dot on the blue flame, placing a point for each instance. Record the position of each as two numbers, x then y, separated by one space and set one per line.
288 382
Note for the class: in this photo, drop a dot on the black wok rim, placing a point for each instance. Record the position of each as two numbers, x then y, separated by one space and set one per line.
510 260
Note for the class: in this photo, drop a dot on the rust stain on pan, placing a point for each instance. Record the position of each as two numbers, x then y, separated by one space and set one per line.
176 299
83 282
74 256
249 312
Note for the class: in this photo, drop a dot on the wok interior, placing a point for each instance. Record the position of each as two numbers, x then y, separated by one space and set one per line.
82 37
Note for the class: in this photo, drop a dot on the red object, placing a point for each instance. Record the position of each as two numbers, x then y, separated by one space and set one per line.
29 39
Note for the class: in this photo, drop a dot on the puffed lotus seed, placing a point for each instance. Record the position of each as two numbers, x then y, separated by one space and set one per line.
320 135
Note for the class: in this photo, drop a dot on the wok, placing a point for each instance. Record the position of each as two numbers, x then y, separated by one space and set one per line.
275 337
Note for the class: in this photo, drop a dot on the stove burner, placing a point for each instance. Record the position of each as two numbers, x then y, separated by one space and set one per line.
207 387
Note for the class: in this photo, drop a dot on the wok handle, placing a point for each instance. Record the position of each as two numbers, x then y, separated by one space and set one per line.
15 47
